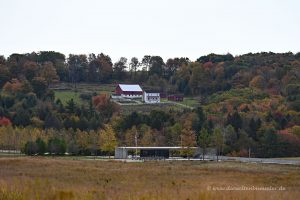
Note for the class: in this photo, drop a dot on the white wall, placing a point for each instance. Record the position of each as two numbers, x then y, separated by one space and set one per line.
148 97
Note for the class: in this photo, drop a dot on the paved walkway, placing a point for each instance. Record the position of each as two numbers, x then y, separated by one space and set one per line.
259 160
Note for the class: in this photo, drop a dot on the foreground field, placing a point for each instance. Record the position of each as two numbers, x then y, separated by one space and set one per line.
56 178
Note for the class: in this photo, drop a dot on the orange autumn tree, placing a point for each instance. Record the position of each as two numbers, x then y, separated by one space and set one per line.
14 86
48 72
188 137
106 107
258 82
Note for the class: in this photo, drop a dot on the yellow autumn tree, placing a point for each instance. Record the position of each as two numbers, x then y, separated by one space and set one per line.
188 136
188 140
130 136
147 138
108 140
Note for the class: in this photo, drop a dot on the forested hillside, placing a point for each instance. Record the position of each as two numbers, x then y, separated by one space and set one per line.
250 101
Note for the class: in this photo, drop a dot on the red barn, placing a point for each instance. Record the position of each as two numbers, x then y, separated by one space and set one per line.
163 95
175 97
129 91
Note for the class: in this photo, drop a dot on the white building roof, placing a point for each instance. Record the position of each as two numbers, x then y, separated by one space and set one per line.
151 92
131 88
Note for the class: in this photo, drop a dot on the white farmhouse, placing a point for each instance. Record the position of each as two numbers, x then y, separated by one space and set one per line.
151 97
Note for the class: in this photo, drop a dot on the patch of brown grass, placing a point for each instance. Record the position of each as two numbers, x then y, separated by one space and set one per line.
55 178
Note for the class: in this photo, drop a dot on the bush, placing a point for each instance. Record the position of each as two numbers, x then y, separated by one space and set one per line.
31 148
85 96
41 145
57 146
37 147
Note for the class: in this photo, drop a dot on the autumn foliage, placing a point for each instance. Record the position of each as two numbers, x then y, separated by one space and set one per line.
4 121
254 99
103 104
12 86
101 101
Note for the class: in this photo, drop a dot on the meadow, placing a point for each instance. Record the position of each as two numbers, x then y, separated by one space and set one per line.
66 92
147 108
60 178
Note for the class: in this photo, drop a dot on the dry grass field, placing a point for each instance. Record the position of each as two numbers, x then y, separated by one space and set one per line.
58 178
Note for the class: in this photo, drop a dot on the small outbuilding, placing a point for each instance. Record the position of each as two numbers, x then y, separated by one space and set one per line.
151 97
175 97
163 95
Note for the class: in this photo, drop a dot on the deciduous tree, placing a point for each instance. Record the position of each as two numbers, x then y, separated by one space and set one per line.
108 139
204 141
119 69
48 72
218 140
188 140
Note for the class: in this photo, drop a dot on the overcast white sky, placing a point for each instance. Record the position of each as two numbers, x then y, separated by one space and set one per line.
169 28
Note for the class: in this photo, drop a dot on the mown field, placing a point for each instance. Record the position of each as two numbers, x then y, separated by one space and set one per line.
58 178
147 108
66 91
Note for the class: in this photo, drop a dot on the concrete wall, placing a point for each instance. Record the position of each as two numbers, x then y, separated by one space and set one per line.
121 153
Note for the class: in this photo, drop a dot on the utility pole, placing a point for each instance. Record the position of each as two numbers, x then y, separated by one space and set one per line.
135 138
249 152
223 135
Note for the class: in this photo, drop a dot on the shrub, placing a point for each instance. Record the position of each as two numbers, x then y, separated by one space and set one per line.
31 148
37 147
41 145
85 96
57 146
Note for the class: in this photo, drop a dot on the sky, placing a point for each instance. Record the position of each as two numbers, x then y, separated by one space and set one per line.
168 28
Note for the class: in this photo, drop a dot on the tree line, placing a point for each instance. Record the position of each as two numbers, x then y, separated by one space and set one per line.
251 100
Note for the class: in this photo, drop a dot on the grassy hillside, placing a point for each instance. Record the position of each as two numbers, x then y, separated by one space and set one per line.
146 108
66 91
65 96
54 178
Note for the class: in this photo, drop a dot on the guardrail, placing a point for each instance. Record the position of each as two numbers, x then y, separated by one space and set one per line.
10 151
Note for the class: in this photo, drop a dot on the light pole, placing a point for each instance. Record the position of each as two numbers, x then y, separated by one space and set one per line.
135 138
249 152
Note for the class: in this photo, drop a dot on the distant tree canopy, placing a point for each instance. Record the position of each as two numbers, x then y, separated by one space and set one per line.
214 58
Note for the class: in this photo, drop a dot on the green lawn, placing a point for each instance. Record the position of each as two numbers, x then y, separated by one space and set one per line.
82 88
65 96
190 101
187 101
147 108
